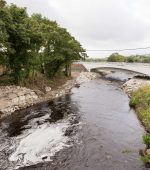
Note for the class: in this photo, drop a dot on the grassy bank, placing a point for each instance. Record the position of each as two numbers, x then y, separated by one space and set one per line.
140 100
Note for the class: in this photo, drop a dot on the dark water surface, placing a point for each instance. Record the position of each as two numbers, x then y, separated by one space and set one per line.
109 135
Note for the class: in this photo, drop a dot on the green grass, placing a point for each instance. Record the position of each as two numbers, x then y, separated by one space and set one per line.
146 140
140 100
145 159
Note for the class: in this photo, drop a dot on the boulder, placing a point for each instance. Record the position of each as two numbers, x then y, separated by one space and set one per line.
148 152
104 72
47 89
15 100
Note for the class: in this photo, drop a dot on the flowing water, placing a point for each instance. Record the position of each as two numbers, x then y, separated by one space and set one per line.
92 128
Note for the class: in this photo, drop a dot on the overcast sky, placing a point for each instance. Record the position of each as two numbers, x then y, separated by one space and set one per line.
99 24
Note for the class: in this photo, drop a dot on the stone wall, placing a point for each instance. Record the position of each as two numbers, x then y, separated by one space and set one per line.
13 98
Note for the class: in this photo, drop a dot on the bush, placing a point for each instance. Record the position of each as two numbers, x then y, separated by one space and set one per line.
133 59
145 159
146 140
138 59
133 102
146 60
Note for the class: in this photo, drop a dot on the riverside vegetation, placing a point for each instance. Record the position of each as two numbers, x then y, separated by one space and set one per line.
140 100
34 48
145 154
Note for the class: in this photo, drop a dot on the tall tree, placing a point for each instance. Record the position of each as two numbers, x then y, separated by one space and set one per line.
4 26
29 45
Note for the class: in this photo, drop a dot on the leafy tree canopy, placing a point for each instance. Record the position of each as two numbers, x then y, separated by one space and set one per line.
116 57
31 44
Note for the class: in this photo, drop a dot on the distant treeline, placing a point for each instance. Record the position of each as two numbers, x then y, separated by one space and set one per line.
116 57
138 59
32 45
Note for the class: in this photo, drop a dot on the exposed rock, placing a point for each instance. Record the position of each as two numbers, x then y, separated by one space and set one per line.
104 72
20 93
148 152
57 95
15 101
86 76
47 89
44 157
77 85
28 97
4 103
134 84
38 92
13 98
22 98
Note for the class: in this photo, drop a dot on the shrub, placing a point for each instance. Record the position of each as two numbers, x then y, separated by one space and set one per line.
146 140
133 102
145 159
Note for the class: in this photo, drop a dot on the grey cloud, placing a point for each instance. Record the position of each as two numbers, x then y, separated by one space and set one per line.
99 24
36 6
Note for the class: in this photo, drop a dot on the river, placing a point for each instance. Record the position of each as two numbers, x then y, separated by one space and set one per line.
92 128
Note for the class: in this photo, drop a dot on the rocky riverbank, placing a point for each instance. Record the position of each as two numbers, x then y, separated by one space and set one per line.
134 84
13 98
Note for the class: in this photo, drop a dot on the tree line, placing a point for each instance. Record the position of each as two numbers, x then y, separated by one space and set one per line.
116 57
34 44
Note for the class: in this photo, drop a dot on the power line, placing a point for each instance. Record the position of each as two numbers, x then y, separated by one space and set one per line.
127 49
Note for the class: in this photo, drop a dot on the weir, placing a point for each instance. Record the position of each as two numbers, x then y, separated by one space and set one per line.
113 69
138 68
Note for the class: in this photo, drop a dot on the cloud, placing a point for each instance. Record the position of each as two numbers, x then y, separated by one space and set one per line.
99 24
36 6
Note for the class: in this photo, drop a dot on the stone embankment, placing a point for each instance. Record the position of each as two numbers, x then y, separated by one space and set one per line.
13 98
134 84
87 76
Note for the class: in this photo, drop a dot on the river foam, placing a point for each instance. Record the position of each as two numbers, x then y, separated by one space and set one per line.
39 144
